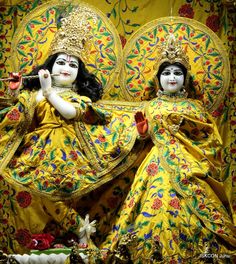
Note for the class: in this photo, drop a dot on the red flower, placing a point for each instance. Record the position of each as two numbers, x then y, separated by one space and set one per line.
218 111
14 115
213 22
24 199
23 237
42 154
101 138
123 40
220 231
185 181
27 150
152 169
156 238
202 206
69 185
216 216
131 203
41 241
73 155
198 191
186 11
175 203
157 203
13 163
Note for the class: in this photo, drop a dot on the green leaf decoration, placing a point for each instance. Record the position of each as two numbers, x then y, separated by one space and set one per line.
130 67
29 30
137 45
22 66
21 52
106 144
36 22
188 30
155 32
135 25
165 29
214 54
199 36
99 24
113 12
148 245
178 27
107 68
103 80
159 225
218 77
23 42
114 137
90 178
218 65
67 141
130 79
131 56
47 14
207 42
111 57
52 155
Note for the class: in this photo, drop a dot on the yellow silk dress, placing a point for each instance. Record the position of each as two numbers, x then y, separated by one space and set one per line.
173 212
50 153
47 163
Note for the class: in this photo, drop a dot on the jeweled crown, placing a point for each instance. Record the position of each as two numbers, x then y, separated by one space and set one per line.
172 52
74 35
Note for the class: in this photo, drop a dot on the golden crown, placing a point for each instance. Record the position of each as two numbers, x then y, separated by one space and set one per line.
74 35
172 52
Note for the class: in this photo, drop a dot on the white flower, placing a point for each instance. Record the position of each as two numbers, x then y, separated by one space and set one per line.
88 228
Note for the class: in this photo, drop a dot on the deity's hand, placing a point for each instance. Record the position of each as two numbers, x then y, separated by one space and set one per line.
15 83
45 81
141 123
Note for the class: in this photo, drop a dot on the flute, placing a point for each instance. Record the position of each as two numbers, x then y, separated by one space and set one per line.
9 79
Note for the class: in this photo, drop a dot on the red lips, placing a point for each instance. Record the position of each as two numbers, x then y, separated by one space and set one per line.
65 73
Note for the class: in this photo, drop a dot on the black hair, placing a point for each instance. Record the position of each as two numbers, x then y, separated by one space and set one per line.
86 83
166 64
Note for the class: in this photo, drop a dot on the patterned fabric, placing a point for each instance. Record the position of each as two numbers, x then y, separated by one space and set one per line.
173 207
127 16
67 158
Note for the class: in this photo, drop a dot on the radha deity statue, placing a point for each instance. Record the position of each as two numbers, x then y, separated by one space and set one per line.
173 212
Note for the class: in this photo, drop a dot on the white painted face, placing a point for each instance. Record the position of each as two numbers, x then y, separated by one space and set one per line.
172 79
67 66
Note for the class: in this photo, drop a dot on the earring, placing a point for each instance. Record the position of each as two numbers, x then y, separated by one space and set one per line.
183 92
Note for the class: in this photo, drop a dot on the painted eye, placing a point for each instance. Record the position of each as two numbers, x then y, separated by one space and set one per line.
60 62
178 73
165 73
73 65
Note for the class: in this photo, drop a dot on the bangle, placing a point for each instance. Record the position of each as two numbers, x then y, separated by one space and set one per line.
47 92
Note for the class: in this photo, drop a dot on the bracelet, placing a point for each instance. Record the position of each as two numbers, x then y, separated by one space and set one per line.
47 92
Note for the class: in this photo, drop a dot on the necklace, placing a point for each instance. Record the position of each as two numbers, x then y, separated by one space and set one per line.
179 94
173 98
